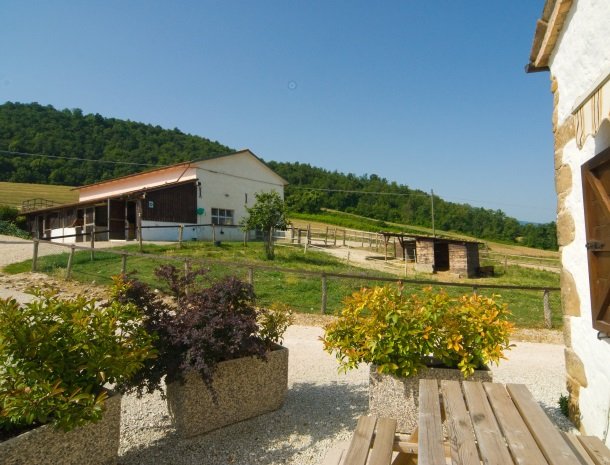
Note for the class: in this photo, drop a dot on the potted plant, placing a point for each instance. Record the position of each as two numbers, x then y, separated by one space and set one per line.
57 359
406 336
218 352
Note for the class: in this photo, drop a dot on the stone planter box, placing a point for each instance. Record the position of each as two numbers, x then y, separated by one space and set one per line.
245 388
390 396
94 443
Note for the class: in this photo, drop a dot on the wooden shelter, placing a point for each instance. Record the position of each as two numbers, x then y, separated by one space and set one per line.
433 254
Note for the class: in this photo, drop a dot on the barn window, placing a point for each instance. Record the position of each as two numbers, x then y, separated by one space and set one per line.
596 198
222 216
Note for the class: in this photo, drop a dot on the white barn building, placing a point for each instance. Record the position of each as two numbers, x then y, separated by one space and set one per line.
208 197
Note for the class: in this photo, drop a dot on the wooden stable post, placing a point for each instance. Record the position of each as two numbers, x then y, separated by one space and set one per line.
548 322
335 237
92 245
35 255
324 294
124 263
70 262
309 234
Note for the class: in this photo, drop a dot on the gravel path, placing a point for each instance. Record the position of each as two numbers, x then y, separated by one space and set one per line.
321 410
321 407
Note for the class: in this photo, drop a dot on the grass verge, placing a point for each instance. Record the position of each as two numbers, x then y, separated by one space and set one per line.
286 281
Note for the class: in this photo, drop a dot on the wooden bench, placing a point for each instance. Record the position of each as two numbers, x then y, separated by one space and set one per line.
487 423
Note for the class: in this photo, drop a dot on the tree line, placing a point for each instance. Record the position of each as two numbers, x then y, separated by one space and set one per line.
77 137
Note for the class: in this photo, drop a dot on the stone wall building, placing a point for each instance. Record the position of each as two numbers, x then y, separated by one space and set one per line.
572 41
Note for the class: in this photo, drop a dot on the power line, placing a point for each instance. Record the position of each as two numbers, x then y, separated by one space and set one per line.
8 152
400 194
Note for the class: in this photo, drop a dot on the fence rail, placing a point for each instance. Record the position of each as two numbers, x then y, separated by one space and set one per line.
324 277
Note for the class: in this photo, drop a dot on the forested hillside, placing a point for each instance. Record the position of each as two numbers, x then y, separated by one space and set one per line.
72 136
37 129
313 188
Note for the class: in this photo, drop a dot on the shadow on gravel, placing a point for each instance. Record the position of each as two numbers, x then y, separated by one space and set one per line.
299 432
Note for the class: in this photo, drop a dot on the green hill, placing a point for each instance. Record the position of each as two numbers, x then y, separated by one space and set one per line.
14 194
42 145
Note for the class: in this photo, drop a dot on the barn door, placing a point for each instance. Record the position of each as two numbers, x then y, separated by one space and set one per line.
596 195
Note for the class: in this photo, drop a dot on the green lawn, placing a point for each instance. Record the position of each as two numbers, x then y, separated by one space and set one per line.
290 284
13 193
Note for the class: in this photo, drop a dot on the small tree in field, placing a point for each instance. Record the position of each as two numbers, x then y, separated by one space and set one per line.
267 213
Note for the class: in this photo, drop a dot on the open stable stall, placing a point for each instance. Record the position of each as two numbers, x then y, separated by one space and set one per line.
433 254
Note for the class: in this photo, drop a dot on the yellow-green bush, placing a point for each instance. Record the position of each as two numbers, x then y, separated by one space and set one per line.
401 333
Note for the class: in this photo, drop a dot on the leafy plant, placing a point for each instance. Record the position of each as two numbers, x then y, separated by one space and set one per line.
402 333
269 212
273 322
204 323
564 405
56 356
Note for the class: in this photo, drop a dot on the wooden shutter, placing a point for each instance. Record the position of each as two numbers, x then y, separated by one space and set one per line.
596 195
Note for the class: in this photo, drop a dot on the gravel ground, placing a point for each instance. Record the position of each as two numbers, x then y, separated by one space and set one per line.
322 405
321 410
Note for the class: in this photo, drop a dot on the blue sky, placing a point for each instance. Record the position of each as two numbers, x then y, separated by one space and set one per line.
431 94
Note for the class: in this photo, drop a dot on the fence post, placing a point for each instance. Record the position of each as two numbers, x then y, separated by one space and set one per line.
187 270
251 276
335 237
309 234
124 263
344 238
35 255
70 262
92 245
180 235
547 310
475 290
324 294
326 237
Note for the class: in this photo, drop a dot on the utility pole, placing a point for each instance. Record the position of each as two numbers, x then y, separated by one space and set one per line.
432 203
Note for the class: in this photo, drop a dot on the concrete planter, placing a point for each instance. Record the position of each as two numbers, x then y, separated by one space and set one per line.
245 388
390 396
94 443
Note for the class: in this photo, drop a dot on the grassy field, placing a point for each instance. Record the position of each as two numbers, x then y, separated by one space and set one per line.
286 280
13 194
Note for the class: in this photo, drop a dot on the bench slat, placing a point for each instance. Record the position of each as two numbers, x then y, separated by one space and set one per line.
361 441
596 449
490 438
463 446
578 449
430 440
381 454
521 443
549 439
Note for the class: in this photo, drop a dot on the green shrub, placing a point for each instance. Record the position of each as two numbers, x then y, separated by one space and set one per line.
402 333
56 356
273 322
564 405
8 213
10 229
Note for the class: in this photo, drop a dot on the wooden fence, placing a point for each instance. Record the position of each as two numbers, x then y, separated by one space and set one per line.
324 277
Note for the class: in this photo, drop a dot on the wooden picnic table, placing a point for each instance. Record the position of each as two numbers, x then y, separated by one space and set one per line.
486 423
